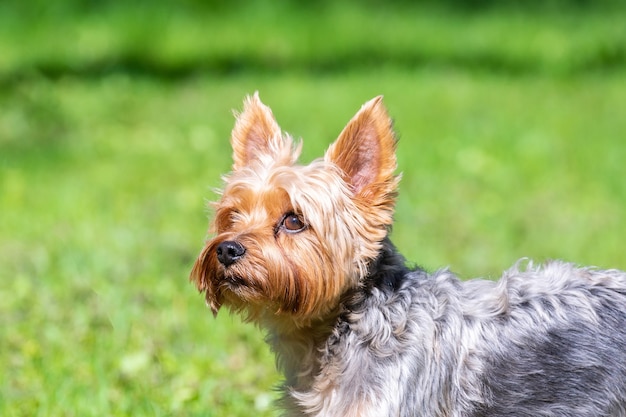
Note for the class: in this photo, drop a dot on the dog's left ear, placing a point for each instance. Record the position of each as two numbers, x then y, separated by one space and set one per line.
365 151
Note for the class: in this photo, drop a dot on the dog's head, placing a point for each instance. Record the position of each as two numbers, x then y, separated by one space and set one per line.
290 239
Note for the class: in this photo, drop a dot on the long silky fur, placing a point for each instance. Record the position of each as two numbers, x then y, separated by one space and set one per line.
543 341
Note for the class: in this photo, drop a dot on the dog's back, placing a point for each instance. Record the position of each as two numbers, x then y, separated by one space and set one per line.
557 347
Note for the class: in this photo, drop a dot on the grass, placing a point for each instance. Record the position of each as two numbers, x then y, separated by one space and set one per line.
177 42
103 182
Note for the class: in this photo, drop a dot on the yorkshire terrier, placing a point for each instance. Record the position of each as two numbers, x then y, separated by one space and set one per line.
304 252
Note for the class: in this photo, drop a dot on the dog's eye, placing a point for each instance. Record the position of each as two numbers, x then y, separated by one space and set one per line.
293 223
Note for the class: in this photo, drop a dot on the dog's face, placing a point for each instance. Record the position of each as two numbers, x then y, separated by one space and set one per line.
290 239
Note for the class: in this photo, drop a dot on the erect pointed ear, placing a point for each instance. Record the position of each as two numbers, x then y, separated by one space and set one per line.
255 133
365 151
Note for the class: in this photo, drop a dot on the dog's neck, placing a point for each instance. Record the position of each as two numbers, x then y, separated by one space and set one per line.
297 345
296 348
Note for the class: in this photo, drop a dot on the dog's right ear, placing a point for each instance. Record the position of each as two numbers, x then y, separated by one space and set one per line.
255 134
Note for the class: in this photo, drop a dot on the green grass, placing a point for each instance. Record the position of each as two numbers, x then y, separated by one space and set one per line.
175 41
104 180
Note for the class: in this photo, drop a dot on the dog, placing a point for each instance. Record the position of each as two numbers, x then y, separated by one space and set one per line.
303 251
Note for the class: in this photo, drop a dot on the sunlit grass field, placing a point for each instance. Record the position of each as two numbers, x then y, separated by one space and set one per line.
105 175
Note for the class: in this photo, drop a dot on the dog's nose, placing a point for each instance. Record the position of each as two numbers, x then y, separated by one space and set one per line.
229 252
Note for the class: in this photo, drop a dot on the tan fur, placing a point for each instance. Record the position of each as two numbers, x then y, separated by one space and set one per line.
257 136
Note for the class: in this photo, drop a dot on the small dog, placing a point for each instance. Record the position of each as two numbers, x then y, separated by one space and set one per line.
303 251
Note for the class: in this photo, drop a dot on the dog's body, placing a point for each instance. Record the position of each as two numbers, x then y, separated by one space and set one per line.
549 341
303 251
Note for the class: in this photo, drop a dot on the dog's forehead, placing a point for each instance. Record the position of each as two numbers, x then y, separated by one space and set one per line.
296 187
249 195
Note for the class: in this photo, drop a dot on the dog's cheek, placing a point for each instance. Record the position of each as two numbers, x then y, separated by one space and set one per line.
312 279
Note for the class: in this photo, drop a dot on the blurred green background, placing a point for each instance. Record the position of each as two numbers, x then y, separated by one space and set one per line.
114 126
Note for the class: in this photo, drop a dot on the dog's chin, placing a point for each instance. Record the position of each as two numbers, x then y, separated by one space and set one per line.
237 292
225 289
241 296
233 282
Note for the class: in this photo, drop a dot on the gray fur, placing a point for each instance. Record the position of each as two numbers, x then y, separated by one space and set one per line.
544 341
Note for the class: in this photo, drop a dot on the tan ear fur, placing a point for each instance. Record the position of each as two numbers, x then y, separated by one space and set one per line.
365 151
254 133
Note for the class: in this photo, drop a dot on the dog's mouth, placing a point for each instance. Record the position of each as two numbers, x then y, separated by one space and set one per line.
232 281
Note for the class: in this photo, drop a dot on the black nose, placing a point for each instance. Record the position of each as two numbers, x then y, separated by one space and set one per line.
229 252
